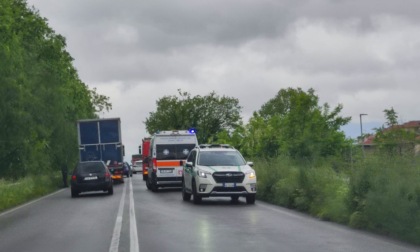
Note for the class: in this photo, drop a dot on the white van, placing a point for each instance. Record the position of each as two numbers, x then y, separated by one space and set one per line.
138 166
168 152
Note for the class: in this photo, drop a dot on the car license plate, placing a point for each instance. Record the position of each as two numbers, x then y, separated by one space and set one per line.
166 171
91 178
229 185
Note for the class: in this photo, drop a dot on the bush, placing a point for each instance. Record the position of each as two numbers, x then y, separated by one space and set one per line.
378 193
268 173
320 191
20 191
330 190
392 204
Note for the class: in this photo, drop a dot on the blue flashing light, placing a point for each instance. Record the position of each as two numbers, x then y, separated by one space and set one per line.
192 130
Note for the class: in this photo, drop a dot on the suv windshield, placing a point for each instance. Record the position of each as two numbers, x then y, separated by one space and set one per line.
91 167
220 158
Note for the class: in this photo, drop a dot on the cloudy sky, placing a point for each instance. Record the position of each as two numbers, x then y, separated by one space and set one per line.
363 54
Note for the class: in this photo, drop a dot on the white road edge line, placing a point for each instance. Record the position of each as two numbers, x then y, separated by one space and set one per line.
134 241
115 241
31 202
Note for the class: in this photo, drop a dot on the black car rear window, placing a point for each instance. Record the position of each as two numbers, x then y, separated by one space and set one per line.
91 167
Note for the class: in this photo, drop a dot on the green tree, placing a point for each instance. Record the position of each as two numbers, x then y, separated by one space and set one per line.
42 95
294 124
209 114
395 139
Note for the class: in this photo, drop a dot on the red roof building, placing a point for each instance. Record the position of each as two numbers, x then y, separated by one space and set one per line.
412 126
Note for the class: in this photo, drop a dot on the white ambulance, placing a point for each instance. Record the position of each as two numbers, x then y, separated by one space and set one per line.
168 152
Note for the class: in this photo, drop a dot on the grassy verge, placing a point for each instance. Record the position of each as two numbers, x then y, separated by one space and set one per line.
379 193
14 193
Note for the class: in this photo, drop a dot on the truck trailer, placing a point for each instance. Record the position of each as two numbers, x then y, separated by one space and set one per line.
100 139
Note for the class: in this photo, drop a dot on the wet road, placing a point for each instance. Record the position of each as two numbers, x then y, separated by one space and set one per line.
135 219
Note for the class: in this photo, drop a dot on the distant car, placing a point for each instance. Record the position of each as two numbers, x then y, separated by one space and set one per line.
128 172
117 172
138 166
91 176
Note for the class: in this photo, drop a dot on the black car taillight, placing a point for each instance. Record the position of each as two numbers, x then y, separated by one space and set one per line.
73 177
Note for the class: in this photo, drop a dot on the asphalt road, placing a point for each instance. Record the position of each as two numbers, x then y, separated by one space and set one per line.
135 219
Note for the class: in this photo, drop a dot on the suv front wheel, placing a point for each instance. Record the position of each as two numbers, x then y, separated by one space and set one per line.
197 198
185 195
250 199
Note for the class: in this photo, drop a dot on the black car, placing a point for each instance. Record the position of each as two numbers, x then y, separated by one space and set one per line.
128 172
91 176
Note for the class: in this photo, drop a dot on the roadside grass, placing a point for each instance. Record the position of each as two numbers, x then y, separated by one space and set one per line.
385 196
320 191
14 193
379 193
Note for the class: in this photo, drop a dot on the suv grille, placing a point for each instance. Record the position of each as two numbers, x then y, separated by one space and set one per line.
228 177
227 189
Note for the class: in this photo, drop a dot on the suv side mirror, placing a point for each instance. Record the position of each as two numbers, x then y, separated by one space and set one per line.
189 164
250 163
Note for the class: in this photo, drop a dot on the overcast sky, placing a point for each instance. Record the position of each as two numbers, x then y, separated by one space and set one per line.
363 54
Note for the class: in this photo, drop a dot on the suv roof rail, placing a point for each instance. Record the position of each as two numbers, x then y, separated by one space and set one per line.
227 146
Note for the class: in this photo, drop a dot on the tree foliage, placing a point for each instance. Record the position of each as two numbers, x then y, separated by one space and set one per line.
292 123
209 114
42 95
395 139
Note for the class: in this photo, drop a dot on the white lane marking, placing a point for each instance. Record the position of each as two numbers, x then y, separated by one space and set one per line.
115 241
31 202
134 242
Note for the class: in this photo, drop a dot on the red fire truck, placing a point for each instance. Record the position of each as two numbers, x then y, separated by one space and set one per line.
145 156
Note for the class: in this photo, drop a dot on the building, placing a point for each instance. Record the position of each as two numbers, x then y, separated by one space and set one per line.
369 144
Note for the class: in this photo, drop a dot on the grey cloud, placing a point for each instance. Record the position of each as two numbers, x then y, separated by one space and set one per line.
364 54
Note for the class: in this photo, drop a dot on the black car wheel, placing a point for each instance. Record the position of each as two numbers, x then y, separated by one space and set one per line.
74 193
111 190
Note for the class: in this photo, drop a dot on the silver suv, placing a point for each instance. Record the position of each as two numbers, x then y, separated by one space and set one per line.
218 171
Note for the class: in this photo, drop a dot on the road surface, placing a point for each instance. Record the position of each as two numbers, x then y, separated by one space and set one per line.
135 219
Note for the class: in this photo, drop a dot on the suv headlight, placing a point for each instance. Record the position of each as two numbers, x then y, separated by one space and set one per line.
251 175
202 174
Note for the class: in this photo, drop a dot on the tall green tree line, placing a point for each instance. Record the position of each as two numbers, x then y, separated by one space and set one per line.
41 94
292 123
